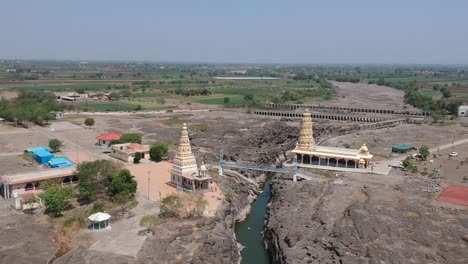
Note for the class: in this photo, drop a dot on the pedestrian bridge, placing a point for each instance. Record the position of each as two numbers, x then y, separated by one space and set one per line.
233 165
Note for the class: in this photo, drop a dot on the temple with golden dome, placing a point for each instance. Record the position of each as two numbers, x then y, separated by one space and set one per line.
185 174
307 153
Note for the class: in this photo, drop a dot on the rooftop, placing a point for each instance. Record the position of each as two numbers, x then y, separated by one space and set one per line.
38 175
334 152
130 148
110 136
41 151
404 146
33 150
60 162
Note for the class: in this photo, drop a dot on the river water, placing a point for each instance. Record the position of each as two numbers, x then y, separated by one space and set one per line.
249 231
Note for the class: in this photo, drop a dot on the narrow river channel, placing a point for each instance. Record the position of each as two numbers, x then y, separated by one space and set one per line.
249 231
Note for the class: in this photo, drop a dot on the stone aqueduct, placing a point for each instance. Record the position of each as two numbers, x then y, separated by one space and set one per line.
348 109
320 116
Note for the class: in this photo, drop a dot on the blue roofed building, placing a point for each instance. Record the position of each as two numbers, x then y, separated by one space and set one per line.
60 162
41 154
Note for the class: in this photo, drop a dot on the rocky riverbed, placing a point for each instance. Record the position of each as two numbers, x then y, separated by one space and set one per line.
359 218
213 240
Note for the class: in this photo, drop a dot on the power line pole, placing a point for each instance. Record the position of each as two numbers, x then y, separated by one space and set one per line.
148 185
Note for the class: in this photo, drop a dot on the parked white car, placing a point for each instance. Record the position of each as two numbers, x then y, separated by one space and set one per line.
453 154
397 164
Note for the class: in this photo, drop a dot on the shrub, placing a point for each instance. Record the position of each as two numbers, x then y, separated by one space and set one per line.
55 144
137 158
89 122
159 150
149 222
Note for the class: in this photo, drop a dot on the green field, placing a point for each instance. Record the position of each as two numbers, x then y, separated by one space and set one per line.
114 106
144 105
220 101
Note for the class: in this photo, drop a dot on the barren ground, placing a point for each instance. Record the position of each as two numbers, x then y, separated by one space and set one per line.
368 96
359 218
24 239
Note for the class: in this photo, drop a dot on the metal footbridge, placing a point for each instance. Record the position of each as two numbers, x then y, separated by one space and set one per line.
233 165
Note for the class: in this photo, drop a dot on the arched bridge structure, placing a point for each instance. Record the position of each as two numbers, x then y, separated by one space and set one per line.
291 114
348 109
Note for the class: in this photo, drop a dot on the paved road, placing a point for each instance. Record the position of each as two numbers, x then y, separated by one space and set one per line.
446 146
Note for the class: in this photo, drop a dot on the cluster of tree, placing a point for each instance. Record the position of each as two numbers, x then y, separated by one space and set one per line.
104 180
424 151
143 84
417 99
325 91
346 78
410 166
185 205
159 150
97 75
30 107
424 102
128 138
56 197
191 92
302 76
100 181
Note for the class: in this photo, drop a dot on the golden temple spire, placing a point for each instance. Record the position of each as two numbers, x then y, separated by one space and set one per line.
306 137
184 149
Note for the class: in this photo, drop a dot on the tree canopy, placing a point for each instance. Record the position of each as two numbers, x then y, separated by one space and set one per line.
55 198
89 122
123 182
30 106
149 222
95 178
159 150
128 138
55 144
424 151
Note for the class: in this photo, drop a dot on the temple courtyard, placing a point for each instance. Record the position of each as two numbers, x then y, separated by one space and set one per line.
154 179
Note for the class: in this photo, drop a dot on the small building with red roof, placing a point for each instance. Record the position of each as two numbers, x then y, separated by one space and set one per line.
127 151
104 140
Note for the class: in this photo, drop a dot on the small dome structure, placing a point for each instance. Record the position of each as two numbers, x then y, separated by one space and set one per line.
363 149
203 168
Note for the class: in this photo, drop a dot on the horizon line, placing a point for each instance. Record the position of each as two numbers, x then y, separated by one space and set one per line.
232 63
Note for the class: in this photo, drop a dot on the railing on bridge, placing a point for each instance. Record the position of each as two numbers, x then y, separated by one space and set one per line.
223 164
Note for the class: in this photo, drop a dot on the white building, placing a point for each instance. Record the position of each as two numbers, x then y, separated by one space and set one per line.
126 152
463 110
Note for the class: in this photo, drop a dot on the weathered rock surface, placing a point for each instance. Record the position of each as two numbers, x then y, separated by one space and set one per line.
23 239
201 240
366 219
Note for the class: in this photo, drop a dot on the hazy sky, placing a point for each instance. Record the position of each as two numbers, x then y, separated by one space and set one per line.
252 31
